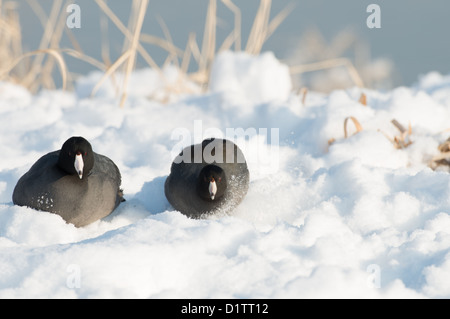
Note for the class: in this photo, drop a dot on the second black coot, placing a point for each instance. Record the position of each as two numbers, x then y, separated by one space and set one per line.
207 178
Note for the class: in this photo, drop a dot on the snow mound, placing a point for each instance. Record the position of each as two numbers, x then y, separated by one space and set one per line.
354 218
248 80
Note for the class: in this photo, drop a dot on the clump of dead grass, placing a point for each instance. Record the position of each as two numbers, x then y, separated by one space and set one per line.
203 54
357 128
37 69
400 141
443 158
343 61
403 140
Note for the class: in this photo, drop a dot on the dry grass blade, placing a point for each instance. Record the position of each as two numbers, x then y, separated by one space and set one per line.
263 27
442 159
442 156
355 122
173 53
209 37
10 37
86 58
76 45
398 126
235 36
187 54
200 77
131 23
47 68
303 92
108 12
133 48
331 141
444 147
259 29
162 43
58 57
358 128
38 71
104 43
328 64
194 48
278 19
111 70
39 12
363 99
50 26
401 141
228 42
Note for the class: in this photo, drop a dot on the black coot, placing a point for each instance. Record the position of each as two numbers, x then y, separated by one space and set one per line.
79 185
206 178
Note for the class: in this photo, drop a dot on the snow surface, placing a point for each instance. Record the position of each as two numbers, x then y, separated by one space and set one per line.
357 218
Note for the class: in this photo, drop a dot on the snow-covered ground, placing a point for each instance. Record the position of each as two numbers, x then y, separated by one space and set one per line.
357 218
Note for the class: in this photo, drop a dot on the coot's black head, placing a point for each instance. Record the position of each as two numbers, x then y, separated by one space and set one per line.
76 157
212 183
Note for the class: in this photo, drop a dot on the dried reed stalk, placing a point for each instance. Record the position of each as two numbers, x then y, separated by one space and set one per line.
133 47
402 140
173 53
235 36
104 43
10 39
328 64
303 92
132 39
259 28
50 25
355 122
110 14
443 158
363 99
112 68
187 53
358 128
51 52
47 68
209 38
278 19
162 43
37 71
86 58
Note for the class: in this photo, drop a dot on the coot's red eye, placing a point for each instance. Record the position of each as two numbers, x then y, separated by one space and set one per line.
85 153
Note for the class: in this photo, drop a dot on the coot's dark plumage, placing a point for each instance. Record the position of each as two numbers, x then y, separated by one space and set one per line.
79 185
207 178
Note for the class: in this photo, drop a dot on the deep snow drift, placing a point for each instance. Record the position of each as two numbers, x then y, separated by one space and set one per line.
357 218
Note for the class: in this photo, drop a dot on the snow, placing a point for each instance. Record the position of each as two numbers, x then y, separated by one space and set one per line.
357 218
250 81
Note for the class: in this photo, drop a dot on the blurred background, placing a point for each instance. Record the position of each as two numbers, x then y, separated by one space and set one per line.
412 39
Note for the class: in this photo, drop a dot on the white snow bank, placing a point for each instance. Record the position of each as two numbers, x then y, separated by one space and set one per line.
248 80
357 218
